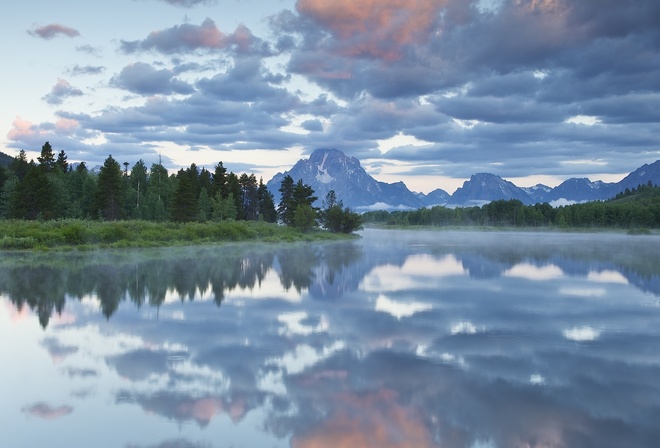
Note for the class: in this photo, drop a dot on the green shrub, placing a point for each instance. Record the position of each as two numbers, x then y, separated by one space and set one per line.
74 233
8 242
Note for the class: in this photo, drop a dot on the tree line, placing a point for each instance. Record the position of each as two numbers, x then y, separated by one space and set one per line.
51 188
636 208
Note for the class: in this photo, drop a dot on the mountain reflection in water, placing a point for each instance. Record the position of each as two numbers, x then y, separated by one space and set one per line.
399 339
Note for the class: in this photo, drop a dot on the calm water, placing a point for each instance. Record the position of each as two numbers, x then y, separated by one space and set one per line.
400 339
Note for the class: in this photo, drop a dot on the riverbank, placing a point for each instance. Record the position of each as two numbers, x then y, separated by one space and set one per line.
82 234
531 229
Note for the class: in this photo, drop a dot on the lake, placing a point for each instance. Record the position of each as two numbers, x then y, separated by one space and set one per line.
398 339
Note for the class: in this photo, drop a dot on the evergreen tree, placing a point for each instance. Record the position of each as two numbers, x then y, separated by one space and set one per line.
335 218
303 194
4 175
304 217
284 211
19 165
249 197
220 180
61 163
184 201
47 158
193 176
267 210
33 198
110 193
204 206
234 188
205 180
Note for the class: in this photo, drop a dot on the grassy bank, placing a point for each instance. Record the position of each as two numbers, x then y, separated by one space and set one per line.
62 234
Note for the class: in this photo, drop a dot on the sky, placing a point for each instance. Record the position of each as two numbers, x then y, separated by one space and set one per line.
424 91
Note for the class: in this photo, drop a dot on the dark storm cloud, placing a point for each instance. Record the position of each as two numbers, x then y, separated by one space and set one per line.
144 79
53 30
60 91
181 39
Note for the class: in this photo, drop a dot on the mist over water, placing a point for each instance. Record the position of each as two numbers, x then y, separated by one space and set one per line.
447 339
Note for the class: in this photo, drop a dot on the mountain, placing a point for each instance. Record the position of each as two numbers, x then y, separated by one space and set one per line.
579 190
485 187
331 169
435 197
537 192
642 175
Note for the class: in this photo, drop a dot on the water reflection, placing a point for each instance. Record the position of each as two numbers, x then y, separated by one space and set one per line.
397 340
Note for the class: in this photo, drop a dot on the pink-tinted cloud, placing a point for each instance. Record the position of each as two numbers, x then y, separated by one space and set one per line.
46 411
26 134
53 30
371 421
23 129
61 90
187 37
374 28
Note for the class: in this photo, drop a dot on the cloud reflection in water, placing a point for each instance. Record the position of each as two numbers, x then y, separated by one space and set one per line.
451 342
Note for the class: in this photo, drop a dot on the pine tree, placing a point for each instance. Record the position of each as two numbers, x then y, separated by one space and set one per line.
110 193
234 188
249 197
184 201
284 211
47 158
220 180
61 163
19 165
267 210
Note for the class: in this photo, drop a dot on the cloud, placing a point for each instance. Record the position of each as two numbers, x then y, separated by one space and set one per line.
144 79
78 70
373 28
46 411
189 3
181 39
53 30
312 125
60 91
89 50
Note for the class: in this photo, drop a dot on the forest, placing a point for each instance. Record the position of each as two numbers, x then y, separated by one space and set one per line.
52 189
638 208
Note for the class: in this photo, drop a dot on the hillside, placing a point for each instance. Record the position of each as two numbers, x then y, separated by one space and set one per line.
5 159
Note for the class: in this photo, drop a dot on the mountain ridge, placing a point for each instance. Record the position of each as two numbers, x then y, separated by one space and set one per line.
330 169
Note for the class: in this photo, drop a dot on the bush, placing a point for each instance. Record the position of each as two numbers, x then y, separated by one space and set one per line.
74 233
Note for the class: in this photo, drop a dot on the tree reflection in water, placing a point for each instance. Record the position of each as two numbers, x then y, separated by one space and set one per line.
148 276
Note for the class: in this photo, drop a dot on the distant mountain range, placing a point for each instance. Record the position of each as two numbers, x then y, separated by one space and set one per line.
331 169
